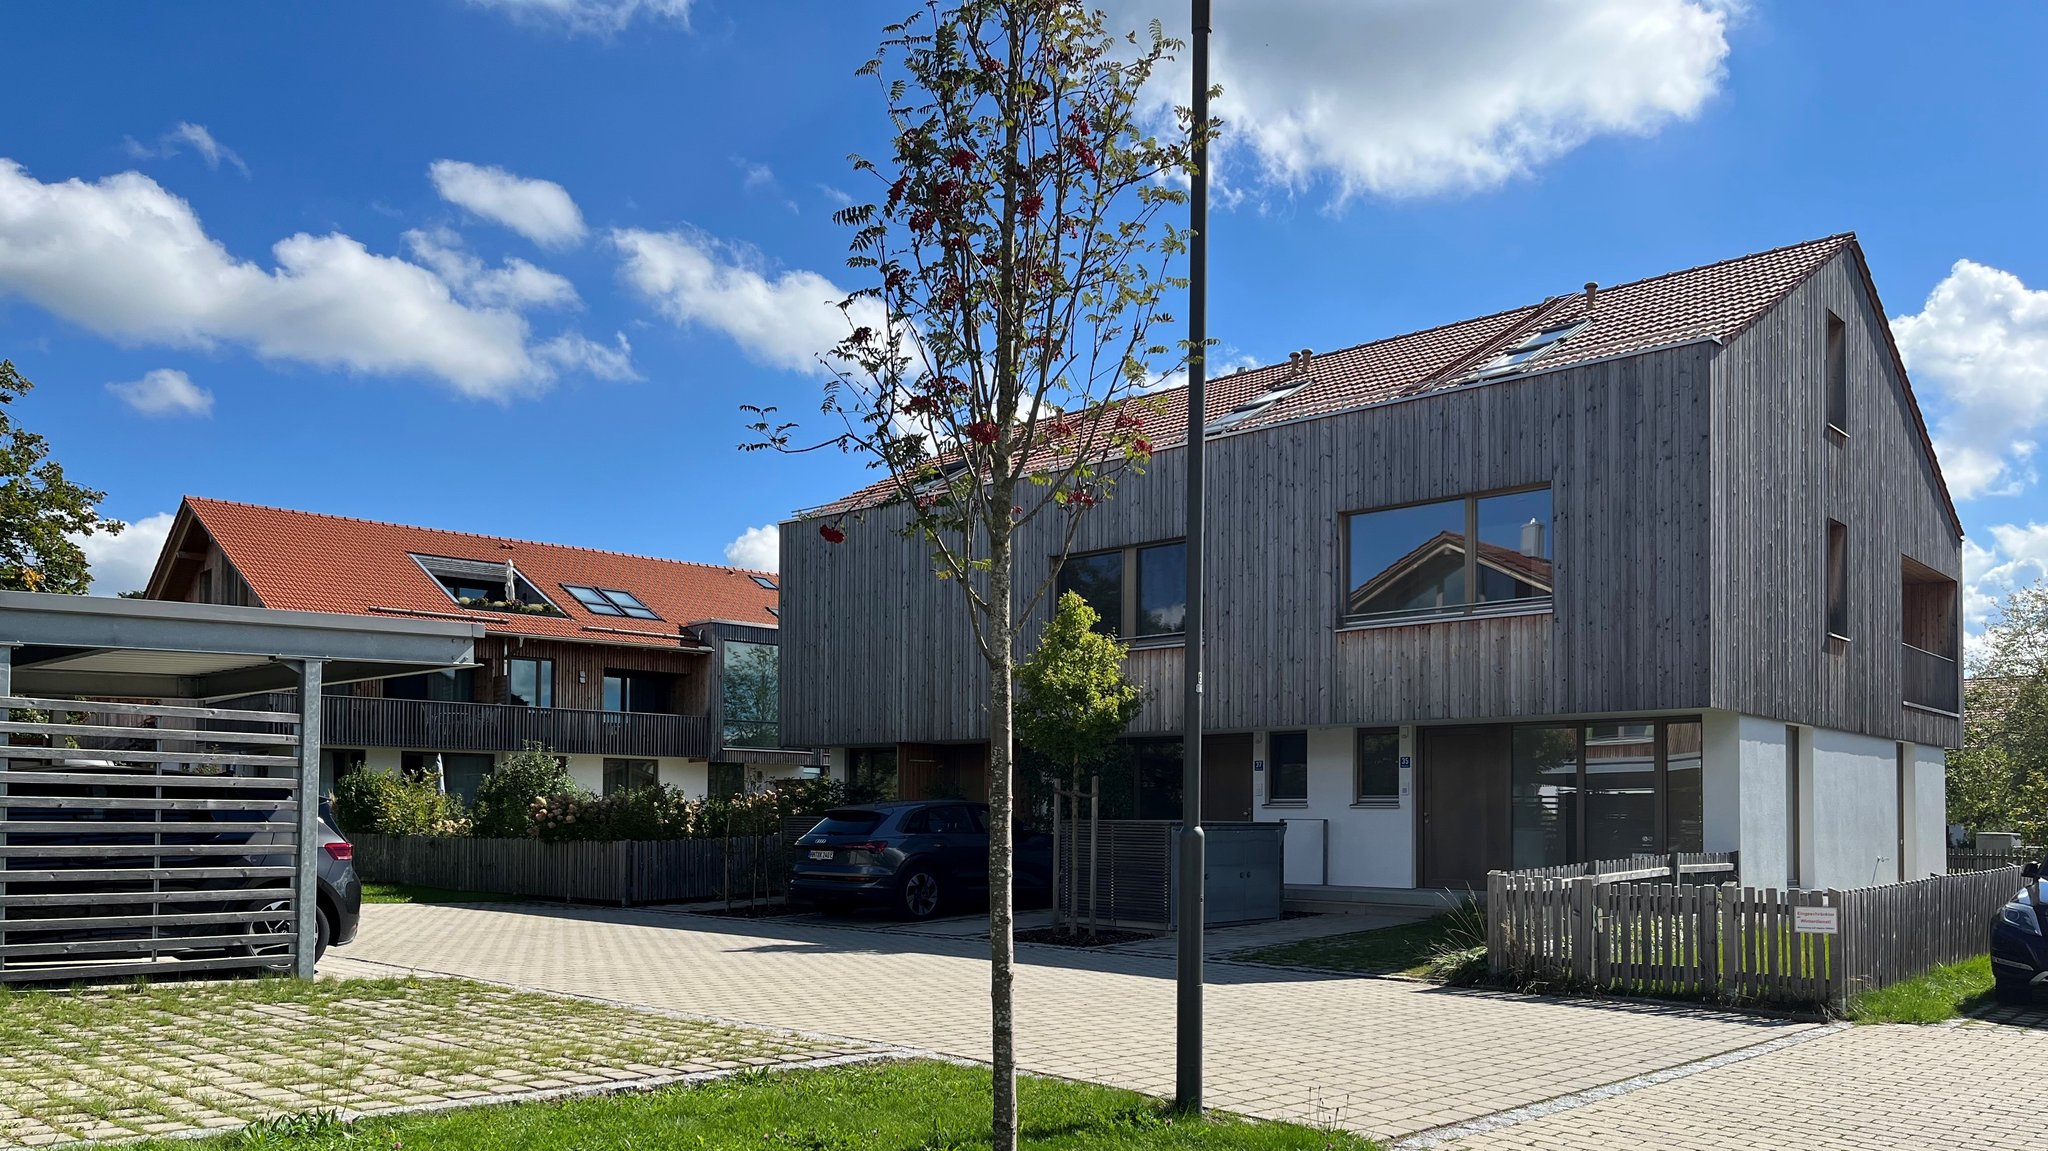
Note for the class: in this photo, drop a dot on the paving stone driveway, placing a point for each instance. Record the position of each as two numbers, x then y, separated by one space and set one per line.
1395 1059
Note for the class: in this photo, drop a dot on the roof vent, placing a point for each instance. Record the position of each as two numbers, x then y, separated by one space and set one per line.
1592 293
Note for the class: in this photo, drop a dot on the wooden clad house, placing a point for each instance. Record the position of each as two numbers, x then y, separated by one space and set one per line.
1662 566
636 670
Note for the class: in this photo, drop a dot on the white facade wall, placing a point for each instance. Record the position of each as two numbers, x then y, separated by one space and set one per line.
1745 798
1926 812
1855 813
1330 838
691 776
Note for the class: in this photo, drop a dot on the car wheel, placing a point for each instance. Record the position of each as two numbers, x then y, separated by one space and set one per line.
282 925
2012 991
918 897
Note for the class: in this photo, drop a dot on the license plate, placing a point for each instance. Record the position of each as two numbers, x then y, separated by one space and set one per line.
821 854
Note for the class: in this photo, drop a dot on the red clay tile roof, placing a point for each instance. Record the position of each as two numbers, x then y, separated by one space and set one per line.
1713 301
315 562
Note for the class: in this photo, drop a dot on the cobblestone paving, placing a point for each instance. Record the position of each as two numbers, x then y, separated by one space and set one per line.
143 1061
1386 1057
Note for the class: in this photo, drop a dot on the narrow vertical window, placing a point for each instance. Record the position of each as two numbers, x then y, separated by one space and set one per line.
1287 774
1793 816
1838 579
1838 374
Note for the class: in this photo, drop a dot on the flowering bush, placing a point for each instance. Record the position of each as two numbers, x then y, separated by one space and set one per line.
664 812
384 803
505 797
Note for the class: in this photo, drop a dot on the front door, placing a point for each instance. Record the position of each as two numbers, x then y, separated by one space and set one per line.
1227 778
1464 784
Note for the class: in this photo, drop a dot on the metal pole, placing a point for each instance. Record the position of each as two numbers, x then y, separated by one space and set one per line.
306 844
1094 821
1188 1015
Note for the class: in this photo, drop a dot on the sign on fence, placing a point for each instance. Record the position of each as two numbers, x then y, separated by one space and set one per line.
1817 920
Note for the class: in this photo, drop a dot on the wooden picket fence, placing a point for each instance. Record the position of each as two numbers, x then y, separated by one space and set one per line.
624 872
1735 943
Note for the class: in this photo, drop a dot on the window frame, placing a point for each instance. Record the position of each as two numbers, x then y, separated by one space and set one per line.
1273 769
1836 580
543 680
629 764
1359 798
1835 374
1473 607
1660 738
607 604
1130 590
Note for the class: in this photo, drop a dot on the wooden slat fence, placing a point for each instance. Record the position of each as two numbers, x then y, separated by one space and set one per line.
1735 943
135 833
624 872
1969 859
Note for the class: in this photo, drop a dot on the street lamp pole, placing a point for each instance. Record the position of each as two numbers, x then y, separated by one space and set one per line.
1193 861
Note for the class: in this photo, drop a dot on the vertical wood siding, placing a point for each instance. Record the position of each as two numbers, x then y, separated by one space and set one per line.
876 650
1779 477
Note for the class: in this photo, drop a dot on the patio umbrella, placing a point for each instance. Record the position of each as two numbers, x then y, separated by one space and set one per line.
440 776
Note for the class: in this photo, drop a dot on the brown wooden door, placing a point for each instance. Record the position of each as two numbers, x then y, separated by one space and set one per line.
1227 778
1464 786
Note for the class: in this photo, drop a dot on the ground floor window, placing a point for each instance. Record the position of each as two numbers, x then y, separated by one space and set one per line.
1160 776
871 774
338 763
1378 772
1287 771
459 772
627 774
1605 791
727 780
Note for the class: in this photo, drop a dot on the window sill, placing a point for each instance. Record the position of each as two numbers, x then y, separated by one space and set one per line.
1288 803
1837 433
1545 608
1147 643
1837 637
1377 805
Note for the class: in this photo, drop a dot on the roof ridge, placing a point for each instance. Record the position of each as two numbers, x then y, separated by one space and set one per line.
1838 239
197 500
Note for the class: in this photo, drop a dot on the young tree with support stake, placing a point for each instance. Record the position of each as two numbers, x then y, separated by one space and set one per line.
1073 701
994 369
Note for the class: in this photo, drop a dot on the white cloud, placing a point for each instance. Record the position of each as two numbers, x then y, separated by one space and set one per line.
591 17
1223 362
839 197
123 562
574 352
513 284
193 136
1407 98
540 210
1978 352
783 319
2017 556
758 548
126 259
165 392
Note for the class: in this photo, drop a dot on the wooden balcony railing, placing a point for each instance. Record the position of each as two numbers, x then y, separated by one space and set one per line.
432 725
1929 680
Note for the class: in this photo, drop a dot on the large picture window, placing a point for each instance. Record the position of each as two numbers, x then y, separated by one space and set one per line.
1606 791
1136 592
1422 560
752 694
530 682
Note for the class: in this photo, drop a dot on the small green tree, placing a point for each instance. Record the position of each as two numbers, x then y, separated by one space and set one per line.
40 511
504 800
1073 698
1999 780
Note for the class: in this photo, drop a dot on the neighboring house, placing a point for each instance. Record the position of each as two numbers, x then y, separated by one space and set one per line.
1668 566
635 670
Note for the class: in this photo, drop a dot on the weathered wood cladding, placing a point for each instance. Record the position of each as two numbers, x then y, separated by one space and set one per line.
1779 477
692 670
876 650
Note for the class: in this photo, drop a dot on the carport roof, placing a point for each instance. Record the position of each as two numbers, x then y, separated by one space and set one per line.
87 645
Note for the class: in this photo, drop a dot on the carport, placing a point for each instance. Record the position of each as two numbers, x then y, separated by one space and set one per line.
140 818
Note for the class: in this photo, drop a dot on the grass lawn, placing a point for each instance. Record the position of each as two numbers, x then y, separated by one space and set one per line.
1403 949
408 893
1936 997
874 1107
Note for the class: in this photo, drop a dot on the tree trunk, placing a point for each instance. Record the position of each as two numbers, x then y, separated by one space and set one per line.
1001 914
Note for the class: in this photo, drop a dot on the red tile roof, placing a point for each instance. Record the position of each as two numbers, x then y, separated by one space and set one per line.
1713 301
315 562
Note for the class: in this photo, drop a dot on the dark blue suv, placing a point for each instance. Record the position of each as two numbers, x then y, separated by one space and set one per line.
911 858
2019 957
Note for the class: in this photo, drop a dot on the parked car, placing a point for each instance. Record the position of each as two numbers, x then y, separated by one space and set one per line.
913 858
2019 957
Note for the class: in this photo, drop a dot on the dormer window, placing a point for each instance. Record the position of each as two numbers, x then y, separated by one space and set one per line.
609 601
484 585
1528 348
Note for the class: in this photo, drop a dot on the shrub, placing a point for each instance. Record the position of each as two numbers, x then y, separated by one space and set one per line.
504 800
382 803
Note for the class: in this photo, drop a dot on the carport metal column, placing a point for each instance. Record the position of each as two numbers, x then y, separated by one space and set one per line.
6 690
306 858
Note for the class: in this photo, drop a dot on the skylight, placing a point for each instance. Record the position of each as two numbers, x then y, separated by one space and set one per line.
765 582
1256 404
1528 348
609 601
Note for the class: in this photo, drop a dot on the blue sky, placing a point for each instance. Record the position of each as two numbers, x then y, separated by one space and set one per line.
512 265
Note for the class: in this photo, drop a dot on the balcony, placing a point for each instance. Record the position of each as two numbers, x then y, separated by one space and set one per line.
1929 680
432 725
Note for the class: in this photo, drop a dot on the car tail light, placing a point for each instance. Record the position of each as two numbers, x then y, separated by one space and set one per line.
871 845
340 849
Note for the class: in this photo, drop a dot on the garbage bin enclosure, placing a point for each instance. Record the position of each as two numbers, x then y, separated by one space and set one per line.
1137 874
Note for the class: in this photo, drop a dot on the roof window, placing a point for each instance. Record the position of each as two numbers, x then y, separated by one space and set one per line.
1528 348
1256 404
765 582
609 601
486 585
